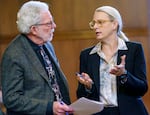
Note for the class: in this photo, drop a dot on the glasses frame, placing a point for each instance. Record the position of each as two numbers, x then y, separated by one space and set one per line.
98 22
49 24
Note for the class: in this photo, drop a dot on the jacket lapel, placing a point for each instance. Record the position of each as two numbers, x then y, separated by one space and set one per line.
121 53
50 48
37 64
95 62
29 52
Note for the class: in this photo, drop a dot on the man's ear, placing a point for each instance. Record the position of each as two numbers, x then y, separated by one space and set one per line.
33 30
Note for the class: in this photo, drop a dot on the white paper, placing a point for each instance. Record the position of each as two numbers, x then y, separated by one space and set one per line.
84 106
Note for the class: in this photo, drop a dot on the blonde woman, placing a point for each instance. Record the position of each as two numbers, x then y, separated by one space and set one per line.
114 70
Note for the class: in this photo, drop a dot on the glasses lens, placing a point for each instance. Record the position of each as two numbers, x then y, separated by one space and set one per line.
98 22
91 24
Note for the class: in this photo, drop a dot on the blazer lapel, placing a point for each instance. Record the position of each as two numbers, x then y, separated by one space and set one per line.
50 48
121 53
95 62
34 59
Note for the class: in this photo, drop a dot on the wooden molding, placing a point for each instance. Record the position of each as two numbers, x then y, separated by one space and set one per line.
82 34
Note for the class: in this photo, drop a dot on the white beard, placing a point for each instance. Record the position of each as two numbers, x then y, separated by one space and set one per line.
51 35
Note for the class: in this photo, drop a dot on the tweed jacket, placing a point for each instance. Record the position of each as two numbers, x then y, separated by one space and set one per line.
128 94
25 84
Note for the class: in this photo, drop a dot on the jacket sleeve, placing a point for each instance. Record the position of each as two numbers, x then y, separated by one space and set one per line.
136 83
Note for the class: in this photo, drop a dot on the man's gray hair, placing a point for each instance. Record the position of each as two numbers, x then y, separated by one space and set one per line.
30 14
111 11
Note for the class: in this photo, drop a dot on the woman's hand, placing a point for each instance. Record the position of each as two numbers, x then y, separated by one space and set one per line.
85 79
119 70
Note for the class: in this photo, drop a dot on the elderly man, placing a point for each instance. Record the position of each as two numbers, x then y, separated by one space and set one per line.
31 77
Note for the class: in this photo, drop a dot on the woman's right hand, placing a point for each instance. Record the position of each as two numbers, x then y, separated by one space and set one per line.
85 79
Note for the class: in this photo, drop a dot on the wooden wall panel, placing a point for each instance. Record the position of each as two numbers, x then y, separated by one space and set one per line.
76 14
72 32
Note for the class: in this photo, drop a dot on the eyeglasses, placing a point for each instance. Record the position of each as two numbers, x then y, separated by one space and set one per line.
98 22
46 24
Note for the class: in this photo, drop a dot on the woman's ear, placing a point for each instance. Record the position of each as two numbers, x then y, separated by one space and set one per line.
115 25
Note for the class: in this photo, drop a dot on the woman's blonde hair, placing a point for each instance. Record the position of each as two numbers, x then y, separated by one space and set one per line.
111 11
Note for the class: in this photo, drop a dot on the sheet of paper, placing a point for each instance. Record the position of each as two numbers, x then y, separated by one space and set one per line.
84 106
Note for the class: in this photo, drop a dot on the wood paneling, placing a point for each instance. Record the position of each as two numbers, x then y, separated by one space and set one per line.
73 33
76 14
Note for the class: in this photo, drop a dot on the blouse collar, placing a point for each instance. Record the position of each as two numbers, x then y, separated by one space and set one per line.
121 46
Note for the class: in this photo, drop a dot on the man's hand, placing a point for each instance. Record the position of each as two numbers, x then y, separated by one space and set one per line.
60 108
